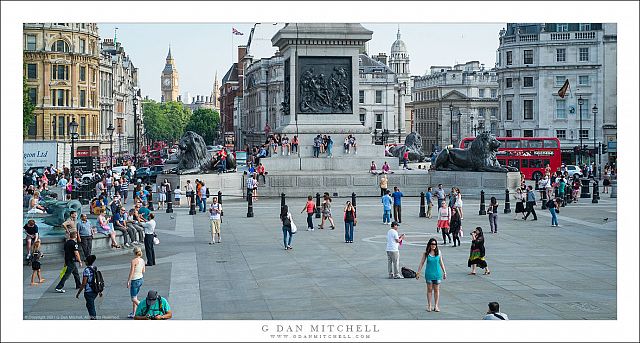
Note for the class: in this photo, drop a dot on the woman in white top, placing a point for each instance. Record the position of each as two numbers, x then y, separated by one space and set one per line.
458 202
135 280
34 206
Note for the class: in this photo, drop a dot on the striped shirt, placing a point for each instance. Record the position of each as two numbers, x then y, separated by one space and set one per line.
124 185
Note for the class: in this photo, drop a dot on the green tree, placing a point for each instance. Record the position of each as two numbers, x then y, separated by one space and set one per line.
205 122
165 121
27 108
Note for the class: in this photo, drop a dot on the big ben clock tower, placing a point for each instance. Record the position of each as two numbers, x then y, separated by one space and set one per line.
169 80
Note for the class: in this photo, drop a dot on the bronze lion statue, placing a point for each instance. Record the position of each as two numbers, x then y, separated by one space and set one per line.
480 156
413 143
194 157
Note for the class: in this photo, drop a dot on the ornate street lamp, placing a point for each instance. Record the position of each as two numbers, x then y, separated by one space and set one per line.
459 126
135 127
472 125
73 130
594 110
580 103
111 129
451 122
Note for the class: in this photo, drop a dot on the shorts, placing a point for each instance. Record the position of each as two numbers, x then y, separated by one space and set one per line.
434 282
162 197
135 287
326 214
215 226
35 265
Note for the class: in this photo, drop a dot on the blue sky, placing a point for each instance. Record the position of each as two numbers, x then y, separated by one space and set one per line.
201 49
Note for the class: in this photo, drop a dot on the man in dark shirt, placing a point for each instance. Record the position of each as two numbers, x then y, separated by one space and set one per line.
397 204
71 256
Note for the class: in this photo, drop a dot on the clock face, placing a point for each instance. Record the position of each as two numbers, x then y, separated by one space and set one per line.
166 82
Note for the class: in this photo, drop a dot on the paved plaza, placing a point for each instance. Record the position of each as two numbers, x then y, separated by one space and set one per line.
537 271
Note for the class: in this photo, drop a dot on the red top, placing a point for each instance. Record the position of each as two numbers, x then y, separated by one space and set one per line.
260 169
310 206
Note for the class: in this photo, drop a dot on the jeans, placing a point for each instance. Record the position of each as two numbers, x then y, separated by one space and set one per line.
330 150
198 201
386 216
136 228
393 259
294 147
71 269
440 201
286 231
397 213
383 191
493 222
90 298
316 151
127 233
86 244
204 204
554 216
348 231
135 286
224 165
310 220
404 163
148 249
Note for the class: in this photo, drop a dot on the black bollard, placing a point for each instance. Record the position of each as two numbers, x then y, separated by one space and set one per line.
544 200
282 201
220 202
317 205
584 189
507 203
483 210
423 213
250 207
192 208
169 201
595 192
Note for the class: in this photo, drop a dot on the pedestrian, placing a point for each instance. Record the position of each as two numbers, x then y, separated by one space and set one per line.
134 221
606 180
316 146
458 202
124 189
476 255
203 197
189 192
90 295
149 235
31 229
553 205
326 211
350 220
36 255
108 181
120 224
386 207
492 211
262 172
440 194
352 143
154 307
562 185
286 144
393 252
106 229
71 256
434 273
455 226
428 199
397 204
405 158
294 144
287 227
520 200
135 279
385 168
531 204
177 195
384 182
346 145
310 207
329 147
86 231
444 217
494 312
198 197
254 187
214 220
162 194
373 169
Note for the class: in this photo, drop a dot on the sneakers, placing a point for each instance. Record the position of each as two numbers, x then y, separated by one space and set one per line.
211 243
127 245
398 277
137 243
60 290
130 315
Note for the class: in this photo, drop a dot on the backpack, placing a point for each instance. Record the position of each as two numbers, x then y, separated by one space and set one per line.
286 221
408 273
207 193
146 309
97 284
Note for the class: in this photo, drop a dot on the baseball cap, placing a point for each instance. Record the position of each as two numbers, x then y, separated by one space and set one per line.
394 224
152 296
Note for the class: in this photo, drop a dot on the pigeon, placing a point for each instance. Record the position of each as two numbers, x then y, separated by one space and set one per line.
605 219
173 217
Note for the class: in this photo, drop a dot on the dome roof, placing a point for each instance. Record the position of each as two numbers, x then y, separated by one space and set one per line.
398 46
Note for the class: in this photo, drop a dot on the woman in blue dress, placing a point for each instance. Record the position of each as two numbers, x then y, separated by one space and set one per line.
434 273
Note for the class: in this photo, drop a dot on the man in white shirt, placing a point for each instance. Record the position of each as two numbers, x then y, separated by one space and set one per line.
494 312
149 233
393 254
214 218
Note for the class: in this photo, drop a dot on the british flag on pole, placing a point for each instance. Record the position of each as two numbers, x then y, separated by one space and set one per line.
236 32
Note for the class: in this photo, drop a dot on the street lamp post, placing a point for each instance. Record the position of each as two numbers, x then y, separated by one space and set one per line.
472 126
135 127
459 127
73 129
580 103
451 122
594 110
111 129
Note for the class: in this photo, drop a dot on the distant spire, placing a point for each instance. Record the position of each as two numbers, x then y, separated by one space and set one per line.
169 54
398 32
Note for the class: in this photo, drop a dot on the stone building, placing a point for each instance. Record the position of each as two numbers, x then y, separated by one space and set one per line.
399 63
451 103
231 88
169 80
199 101
377 99
61 65
534 60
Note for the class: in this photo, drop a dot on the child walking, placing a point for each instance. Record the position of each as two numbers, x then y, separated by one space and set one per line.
177 195
36 255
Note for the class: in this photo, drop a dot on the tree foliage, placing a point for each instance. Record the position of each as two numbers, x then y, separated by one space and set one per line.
205 122
27 108
165 121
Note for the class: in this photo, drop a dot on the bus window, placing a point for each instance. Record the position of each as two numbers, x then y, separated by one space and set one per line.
535 163
467 144
551 144
535 144
514 163
512 144
546 162
525 163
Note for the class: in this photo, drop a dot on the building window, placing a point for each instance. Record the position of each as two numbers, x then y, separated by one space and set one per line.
509 110
528 133
32 71
59 72
361 97
379 121
59 97
561 109
494 112
528 81
31 42
584 54
378 97
509 58
83 73
586 110
562 27
561 134
509 133
82 46
560 80
494 93
362 118
83 126
60 46
528 57
481 93
509 82
561 55
60 126
481 112
583 80
528 109
33 94
584 134
83 98
584 27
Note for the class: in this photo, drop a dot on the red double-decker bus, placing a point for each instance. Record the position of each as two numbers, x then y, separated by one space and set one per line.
529 154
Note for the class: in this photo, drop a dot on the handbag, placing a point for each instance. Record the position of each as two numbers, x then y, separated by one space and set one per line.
355 221
461 233
294 228
156 241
